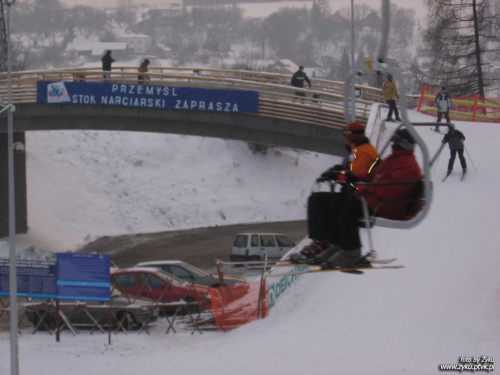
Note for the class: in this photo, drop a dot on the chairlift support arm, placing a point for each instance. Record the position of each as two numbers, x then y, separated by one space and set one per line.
381 66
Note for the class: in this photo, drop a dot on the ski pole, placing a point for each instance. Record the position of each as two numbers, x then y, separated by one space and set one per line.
470 158
436 157
366 215
437 161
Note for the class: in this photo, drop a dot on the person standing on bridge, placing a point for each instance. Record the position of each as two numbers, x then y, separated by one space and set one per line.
107 60
320 213
390 92
143 68
298 79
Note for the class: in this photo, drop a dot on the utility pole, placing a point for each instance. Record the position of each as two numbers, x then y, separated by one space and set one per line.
3 40
14 350
353 64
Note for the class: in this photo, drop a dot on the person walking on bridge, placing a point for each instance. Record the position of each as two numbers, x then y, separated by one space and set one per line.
143 68
107 60
298 79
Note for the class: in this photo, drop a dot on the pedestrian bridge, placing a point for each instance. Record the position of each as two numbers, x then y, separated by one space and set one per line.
312 123
256 107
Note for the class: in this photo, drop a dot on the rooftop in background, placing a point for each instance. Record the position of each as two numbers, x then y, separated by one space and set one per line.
95 48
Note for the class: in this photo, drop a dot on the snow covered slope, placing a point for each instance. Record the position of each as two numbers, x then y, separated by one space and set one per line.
444 305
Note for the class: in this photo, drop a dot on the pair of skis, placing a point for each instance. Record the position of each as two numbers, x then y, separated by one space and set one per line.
357 270
447 175
366 263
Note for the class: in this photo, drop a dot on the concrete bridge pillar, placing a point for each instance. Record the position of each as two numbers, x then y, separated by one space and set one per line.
20 186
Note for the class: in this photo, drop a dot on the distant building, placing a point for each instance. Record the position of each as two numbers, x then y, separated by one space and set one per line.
137 43
287 66
93 49
284 66
168 8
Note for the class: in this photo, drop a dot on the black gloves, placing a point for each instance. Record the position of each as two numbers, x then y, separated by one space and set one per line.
330 174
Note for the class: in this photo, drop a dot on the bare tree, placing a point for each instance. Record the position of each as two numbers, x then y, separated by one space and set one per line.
126 12
460 35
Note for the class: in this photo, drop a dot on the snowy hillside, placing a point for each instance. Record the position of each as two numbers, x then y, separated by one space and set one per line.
444 305
82 185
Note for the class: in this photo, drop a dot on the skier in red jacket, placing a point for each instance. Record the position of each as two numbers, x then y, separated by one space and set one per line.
389 201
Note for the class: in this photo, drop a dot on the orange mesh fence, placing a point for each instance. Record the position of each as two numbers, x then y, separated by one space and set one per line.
236 305
464 108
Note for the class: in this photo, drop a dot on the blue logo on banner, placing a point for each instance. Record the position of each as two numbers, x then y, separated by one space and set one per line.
148 96
57 93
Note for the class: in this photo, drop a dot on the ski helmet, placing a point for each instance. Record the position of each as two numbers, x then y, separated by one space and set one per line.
355 131
403 139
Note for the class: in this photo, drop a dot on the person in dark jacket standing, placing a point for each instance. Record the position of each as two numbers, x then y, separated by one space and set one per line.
298 79
455 140
143 68
107 60
443 104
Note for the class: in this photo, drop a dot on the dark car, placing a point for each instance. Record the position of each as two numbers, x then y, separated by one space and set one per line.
130 315
189 273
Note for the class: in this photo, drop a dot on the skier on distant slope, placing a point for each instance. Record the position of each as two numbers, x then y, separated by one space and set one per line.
443 105
455 139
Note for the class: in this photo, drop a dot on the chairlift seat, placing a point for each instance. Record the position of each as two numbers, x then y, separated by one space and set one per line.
413 206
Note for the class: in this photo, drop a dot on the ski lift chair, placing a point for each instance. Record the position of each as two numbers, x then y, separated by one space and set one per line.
419 205
413 206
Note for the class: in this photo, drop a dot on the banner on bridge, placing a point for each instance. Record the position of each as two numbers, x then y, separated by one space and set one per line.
147 96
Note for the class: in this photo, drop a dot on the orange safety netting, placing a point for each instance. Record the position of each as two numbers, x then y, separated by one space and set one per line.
236 305
464 108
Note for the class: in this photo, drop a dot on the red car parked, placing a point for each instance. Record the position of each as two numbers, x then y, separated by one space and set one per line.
160 286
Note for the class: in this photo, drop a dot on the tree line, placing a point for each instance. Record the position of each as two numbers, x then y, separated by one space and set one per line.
459 43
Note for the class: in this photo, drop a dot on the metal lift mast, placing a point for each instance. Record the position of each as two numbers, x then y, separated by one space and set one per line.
3 39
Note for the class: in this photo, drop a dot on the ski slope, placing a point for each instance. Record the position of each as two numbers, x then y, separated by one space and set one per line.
445 304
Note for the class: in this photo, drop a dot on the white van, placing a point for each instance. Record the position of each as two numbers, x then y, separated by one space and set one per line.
252 246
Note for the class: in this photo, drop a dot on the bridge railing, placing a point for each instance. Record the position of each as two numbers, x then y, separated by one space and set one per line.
323 104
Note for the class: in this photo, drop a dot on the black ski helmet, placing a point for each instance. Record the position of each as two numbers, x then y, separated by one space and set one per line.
403 139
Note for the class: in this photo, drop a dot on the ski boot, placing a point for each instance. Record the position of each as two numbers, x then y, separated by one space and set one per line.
309 252
344 258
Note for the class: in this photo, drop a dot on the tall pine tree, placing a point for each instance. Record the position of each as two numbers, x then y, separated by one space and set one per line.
462 37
